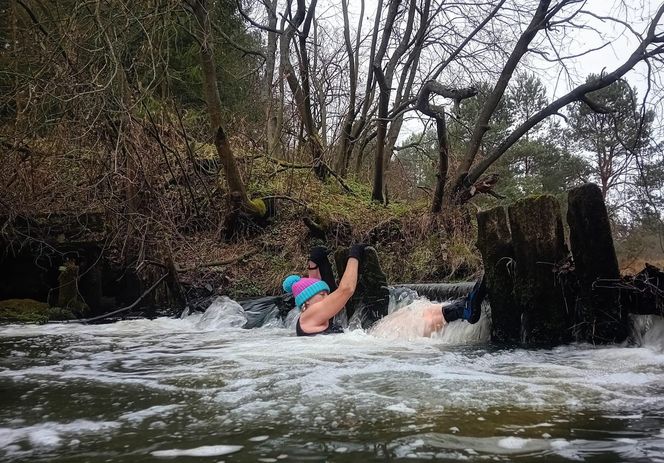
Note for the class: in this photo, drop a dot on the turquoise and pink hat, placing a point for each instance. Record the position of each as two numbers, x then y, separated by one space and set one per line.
303 288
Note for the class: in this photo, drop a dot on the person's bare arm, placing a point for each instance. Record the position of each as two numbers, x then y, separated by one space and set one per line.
319 313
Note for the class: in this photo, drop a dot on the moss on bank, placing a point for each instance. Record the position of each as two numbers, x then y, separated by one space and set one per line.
31 311
413 245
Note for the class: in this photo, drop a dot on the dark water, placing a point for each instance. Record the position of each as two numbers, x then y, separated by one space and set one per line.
200 390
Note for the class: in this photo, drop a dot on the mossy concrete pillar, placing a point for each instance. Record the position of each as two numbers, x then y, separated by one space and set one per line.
68 284
599 317
90 279
539 246
68 294
494 240
371 298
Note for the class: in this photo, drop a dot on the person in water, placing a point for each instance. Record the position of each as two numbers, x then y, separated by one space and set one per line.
319 299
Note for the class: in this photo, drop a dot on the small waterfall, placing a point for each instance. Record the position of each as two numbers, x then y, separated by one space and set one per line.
407 322
648 331
404 321
440 291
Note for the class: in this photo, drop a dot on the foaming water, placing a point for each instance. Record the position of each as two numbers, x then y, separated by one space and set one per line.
408 323
201 388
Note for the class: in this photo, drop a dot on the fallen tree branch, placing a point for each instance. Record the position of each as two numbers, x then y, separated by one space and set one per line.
338 178
124 309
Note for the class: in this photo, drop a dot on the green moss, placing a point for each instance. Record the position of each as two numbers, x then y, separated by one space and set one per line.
24 310
31 311
246 288
259 204
58 313
205 151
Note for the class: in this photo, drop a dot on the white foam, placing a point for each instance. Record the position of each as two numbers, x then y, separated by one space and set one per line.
50 434
204 451
44 438
157 410
401 408
222 313
513 443
558 444
259 438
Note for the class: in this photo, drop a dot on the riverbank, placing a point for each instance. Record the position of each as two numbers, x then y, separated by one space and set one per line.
112 258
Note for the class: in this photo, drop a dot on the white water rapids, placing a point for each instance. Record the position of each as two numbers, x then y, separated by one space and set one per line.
203 389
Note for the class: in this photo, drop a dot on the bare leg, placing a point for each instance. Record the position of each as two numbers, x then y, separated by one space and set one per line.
313 272
434 319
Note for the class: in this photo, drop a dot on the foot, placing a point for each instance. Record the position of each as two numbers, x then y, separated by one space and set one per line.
473 308
318 255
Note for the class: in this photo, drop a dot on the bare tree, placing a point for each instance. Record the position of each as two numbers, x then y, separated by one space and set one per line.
301 88
272 114
211 93
353 52
438 114
651 47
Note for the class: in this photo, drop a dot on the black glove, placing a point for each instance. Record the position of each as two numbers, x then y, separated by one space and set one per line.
357 251
318 255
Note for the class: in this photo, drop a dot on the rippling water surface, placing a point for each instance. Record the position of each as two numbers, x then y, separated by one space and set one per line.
197 389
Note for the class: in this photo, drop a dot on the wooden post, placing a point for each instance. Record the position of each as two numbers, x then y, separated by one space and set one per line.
599 317
494 240
539 246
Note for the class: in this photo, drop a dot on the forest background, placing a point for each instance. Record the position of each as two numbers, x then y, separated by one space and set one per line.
222 138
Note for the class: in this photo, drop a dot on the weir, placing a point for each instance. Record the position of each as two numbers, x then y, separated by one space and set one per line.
264 310
542 293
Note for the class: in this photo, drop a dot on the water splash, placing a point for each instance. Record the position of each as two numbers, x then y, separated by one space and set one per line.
648 331
224 312
407 321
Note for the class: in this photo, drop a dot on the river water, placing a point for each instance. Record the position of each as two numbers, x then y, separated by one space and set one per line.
202 389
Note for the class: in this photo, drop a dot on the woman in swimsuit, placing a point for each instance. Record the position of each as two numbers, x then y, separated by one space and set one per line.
319 299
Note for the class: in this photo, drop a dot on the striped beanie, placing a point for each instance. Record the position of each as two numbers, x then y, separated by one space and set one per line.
303 288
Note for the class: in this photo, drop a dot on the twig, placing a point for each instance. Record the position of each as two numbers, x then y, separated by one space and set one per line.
219 263
124 309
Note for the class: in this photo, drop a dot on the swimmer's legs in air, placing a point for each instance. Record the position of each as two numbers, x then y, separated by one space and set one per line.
468 308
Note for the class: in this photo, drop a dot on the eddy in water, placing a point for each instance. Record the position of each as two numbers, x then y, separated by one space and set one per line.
319 299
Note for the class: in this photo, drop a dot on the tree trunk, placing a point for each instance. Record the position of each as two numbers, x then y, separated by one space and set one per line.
384 80
301 91
377 193
443 162
211 93
345 145
272 128
482 123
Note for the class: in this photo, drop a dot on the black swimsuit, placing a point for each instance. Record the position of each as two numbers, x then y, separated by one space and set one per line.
331 329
